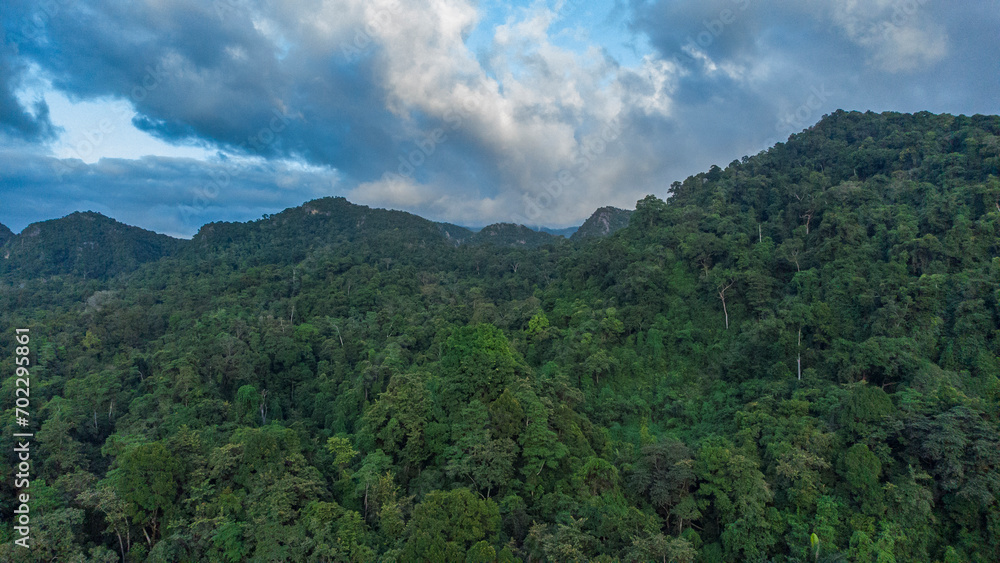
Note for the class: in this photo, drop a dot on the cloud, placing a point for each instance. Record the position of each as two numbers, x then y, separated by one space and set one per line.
899 35
755 72
385 100
356 86
19 121
395 191
532 111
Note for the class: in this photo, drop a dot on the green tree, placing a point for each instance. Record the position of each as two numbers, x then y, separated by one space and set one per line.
449 526
147 478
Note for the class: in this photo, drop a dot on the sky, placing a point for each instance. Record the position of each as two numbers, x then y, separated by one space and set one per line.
169 114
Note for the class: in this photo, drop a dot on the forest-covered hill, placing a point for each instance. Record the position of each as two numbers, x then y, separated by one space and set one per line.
91 245
88 245
793 358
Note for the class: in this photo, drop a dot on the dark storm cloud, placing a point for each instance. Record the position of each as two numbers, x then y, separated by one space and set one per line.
196 69
17 121
245 76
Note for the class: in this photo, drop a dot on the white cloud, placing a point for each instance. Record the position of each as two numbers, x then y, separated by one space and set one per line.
396 192
899 34
535 112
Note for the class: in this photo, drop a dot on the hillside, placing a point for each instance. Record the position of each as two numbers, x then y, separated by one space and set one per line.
91 245
288 235
793 358
87 244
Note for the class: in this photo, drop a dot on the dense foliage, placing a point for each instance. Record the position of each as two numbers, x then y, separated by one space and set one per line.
791 359
87 245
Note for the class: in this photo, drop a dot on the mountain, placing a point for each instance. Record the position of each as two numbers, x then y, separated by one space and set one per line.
5 234
86 244
91 245
331 220
794 357
509 234
332 223
603 222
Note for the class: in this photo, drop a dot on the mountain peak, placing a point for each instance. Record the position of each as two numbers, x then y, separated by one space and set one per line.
83 243
603 222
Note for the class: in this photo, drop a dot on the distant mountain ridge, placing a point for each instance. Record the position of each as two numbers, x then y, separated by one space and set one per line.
322 222
509 234
92 245
564 232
